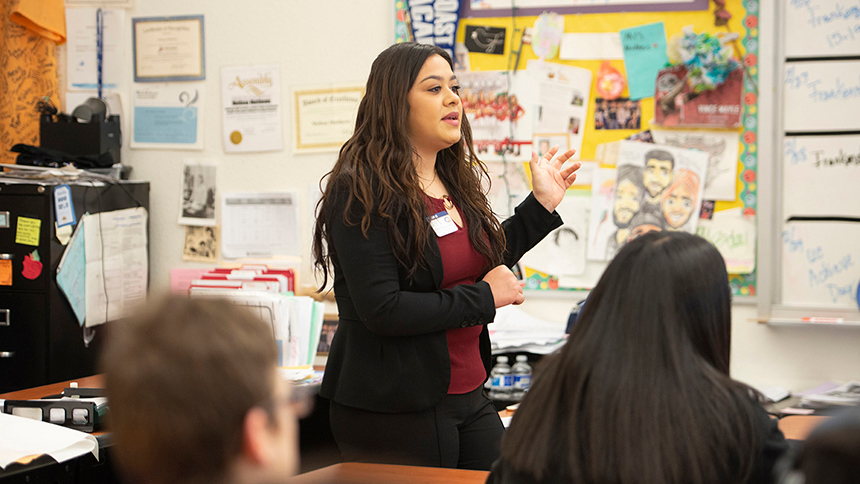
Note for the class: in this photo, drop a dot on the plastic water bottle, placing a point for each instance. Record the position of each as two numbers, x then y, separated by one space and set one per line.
501 380
522 373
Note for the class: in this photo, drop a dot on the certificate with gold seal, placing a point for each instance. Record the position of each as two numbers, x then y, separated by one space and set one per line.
168 49
251 109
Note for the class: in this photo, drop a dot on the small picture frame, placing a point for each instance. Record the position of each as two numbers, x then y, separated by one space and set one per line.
168 49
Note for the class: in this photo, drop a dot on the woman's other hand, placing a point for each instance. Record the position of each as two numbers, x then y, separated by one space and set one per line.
505 286
549 179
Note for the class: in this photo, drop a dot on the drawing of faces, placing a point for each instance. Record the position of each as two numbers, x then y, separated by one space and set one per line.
658 171
679 200
627 198
629 194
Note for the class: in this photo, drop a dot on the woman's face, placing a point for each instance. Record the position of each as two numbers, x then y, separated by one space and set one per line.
678 206
435 110
626 201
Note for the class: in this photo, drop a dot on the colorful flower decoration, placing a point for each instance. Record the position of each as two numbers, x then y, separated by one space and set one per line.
707 58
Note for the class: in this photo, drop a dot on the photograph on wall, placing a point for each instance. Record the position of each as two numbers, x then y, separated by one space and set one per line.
544 141
197 201
499 112
326 337
621 113
656 188
201 244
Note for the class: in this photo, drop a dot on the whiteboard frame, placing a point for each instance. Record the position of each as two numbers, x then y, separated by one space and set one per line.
771 309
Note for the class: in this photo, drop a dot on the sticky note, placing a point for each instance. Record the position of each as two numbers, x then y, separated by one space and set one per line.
5 272
28 231
644 55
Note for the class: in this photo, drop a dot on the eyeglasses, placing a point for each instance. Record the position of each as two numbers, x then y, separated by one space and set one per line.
300 399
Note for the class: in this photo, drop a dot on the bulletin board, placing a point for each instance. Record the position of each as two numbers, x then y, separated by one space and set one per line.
816 217
744 21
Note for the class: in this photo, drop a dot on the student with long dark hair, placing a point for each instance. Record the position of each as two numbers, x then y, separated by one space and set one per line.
641 391
420 265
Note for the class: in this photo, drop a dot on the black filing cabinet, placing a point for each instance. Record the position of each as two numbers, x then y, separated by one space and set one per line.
41 341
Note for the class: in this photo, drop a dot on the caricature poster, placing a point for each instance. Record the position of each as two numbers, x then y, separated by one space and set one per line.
657 187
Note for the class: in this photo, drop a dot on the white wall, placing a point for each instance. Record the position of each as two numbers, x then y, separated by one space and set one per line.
314 43
335 42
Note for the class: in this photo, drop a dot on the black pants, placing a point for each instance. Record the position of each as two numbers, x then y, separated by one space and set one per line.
462 431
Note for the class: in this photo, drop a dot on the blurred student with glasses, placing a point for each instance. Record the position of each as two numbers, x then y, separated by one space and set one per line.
195 396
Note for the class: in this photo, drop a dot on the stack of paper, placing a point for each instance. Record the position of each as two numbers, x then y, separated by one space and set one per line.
515 330
296 320
23 437
847 394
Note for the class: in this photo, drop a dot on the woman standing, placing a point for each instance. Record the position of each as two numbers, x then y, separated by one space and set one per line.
420 265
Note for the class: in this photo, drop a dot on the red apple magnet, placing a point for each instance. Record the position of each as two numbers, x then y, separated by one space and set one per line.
32 265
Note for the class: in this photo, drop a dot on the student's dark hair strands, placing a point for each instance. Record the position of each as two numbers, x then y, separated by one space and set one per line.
636 394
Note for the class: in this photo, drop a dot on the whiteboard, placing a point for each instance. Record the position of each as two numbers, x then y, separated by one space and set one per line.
821 28
821 176
821 96
821 264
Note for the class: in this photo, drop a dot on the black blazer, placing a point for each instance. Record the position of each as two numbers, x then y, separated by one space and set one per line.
390 352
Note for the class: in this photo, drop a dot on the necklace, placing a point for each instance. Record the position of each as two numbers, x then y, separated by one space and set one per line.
428 183
447 203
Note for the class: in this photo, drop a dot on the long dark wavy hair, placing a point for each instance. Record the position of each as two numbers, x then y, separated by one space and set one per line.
641 391
375 177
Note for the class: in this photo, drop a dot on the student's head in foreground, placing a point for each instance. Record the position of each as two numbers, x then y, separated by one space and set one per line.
641 392
195 395
831 453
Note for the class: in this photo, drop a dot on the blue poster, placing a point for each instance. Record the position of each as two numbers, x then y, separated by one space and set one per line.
435 22
644 55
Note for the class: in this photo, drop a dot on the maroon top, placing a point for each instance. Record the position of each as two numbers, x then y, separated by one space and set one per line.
461 264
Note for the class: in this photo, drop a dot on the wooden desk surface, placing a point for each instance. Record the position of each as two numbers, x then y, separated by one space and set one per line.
356 473
798 427
95 381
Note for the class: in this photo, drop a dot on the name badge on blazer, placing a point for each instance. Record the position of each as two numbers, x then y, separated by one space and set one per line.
442 224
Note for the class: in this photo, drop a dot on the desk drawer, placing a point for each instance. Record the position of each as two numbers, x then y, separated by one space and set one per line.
23 340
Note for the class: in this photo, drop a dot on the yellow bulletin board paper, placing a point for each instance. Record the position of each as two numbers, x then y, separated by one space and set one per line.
5 272
27 232
744 22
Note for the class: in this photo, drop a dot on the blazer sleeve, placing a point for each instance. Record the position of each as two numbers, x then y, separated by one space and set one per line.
529 224
375 288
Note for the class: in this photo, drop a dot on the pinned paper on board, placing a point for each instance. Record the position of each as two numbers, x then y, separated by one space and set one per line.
485 40
722 148
644 55
734 235
562 252
27 232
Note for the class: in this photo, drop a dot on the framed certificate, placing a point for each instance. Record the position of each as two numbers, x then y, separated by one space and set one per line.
324 117
168 49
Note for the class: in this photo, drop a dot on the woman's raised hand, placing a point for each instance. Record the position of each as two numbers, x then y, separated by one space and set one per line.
549 179
506 289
